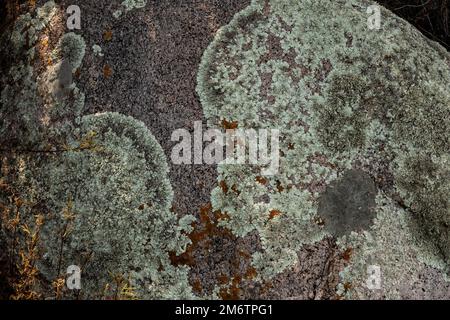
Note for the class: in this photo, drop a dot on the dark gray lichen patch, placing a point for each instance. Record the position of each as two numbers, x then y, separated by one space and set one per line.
348 203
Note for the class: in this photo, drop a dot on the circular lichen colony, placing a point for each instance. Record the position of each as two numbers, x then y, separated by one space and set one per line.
108 201
120 198
344 97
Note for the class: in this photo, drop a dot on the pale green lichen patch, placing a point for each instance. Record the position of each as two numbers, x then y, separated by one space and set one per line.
342 118
120 198
73 49
129 5
422 180
97 50
132 4
343 97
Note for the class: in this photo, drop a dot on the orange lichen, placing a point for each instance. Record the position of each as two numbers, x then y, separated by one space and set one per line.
219 215
107 71
273 214
222 279
261 180
32 4
201 236
223 186
244 254
347 255
229 124
107 35
43 43
77 74
206 229
232 292
197 286
250 273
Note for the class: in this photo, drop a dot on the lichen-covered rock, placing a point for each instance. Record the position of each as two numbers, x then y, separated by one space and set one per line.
344 98
20 118
93 189
35 107
110 193
129 5
395 245
72 49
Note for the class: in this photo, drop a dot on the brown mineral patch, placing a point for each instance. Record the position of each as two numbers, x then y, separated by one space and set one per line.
274 213
266 82
349 38
323 72
217 257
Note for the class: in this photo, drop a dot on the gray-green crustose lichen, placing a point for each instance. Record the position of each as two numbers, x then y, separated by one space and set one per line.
73 49
422 180
129 5
344 98
395 243
120 198
99 180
